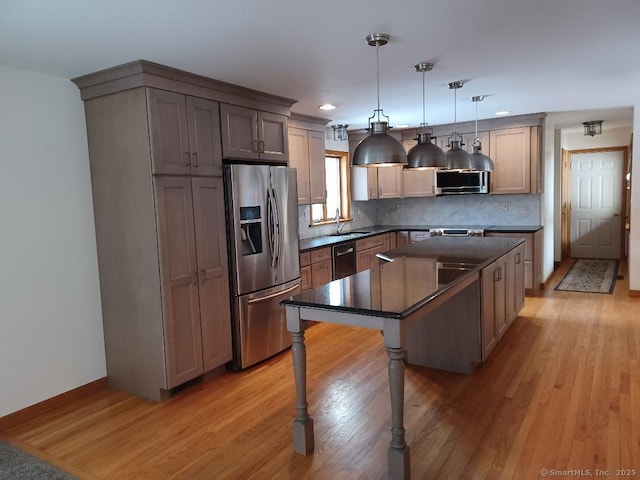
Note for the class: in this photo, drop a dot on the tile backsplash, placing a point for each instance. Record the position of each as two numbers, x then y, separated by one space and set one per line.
443 210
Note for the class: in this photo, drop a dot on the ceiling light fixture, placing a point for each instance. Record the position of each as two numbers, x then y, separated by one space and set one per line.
503 112
340 132
425 155
457 158
327 106
379 149
481 162
593 127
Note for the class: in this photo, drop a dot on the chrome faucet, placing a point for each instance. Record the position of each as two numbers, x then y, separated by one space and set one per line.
339 226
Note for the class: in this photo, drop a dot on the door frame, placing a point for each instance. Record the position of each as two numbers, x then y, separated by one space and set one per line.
565 197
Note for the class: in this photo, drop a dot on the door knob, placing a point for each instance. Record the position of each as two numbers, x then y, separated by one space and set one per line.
617 214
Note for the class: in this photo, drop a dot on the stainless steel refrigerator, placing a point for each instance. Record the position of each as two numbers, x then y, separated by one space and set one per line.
262 217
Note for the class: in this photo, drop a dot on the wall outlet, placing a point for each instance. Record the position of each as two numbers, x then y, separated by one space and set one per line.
505 206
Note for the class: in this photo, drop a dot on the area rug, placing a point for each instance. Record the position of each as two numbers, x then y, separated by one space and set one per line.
591 276
15 464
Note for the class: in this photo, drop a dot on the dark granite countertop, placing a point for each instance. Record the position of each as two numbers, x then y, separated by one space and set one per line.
397 289
329 240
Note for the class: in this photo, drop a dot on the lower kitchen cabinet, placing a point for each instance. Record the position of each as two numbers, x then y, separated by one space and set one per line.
194 275
315 268
502 297
532 257
366 249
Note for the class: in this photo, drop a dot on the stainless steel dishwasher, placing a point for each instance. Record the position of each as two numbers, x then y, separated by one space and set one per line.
344 259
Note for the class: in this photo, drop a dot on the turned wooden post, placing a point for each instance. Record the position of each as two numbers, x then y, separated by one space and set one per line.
303 424
398 454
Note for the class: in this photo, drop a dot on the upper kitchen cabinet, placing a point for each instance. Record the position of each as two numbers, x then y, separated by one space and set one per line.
249 134
307 156
516 157
469 138
184 134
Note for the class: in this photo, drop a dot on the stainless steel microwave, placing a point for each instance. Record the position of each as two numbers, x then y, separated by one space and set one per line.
457 183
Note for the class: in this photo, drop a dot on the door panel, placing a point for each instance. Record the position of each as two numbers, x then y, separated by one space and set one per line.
272 134
183 349
596 202
204 136
239 128
169 133
215 307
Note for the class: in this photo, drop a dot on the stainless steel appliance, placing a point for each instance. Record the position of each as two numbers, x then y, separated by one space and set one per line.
456 183
262 220
344 260
457 232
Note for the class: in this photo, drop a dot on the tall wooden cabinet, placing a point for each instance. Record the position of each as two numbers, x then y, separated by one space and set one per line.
155 151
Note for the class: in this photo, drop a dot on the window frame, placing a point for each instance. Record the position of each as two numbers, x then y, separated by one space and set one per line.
345 191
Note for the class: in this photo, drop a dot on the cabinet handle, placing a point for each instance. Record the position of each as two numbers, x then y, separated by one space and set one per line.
186 159
195 277
261 146
497 274
203 273
518 259
256 146
195 159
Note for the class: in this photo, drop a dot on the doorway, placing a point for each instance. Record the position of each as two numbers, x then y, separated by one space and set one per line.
593 206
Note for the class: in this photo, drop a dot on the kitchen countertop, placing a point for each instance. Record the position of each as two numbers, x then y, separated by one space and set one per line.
329 240
393 291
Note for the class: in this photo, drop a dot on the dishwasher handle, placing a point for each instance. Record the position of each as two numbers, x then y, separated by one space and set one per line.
339 253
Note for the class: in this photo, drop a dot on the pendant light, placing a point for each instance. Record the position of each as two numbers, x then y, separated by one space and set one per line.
425 155
457 158
379 149
481 162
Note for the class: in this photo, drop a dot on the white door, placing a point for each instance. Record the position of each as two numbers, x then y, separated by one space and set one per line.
596 202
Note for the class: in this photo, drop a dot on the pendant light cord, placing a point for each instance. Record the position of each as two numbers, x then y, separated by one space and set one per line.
424 95
476 102
378 77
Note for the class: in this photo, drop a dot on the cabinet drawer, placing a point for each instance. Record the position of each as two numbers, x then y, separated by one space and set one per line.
305 278
305 259
320 255
372 242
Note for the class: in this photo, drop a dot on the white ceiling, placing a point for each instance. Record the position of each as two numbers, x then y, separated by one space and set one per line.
527 56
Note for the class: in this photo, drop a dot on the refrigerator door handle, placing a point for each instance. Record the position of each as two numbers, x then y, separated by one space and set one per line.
278 229
270 226
275 294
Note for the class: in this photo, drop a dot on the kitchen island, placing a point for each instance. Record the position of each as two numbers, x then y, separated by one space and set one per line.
428 300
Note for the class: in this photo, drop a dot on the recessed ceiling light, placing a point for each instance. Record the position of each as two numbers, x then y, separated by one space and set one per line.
402 125
503 112
327 106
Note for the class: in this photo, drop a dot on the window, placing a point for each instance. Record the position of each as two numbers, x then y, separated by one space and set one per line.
337 185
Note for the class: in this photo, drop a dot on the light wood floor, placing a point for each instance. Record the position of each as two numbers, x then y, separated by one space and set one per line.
560 391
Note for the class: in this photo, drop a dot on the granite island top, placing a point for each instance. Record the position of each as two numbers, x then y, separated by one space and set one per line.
328 240
398 288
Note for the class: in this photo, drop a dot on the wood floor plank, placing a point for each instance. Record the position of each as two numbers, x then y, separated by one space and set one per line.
561 390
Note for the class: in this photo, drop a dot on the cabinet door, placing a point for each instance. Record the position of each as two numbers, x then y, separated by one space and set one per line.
239 127
169 134
519 279
418 183
363 260
299 159
213 275
321 273
204 137
317 175
389 182
469 138
364 183
510 150
493 305
305 278
178 267
272 137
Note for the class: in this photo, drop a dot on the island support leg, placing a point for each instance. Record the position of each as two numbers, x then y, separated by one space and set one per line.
398 454
303 424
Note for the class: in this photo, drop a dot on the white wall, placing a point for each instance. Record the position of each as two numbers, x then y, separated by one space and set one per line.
51 337
634 237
